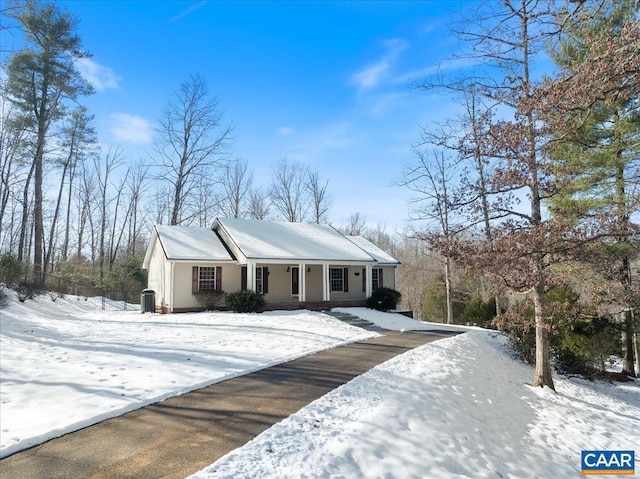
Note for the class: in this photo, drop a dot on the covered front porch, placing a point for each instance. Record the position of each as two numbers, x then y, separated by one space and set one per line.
311 282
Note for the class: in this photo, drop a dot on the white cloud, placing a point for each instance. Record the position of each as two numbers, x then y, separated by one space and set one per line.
131 128
383 104
99 76
188 10
370 77
374 74
286 131
446 66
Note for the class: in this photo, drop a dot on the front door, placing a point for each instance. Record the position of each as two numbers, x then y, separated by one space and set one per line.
295 281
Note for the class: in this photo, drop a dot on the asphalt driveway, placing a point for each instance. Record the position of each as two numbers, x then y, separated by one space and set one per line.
179 436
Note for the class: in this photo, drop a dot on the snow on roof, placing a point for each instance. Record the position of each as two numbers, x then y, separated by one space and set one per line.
191 243
291 241
375 252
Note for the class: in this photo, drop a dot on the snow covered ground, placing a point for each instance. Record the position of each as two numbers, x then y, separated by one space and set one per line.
459 407
67 364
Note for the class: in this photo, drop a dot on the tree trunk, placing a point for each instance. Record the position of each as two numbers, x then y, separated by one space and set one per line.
447 282
38 245
25 214
67 232
542 375
628 367
54 221
636 345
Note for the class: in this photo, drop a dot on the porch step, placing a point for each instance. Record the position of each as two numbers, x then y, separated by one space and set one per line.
354 320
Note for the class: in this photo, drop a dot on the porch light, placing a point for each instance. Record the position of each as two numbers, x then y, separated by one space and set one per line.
288 269
357 273
308 269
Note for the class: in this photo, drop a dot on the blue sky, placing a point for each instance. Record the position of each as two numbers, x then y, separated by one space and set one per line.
323 83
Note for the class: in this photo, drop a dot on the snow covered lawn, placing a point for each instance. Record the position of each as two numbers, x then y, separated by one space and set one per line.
68 364
459 407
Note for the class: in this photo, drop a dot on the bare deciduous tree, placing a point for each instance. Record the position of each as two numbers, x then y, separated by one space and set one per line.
136 188
319 196
78 139
431 178
258 208
191 143
13 152
288 190
236 186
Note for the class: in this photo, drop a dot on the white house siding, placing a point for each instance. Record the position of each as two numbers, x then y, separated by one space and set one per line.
354 284
183 296
389 277
279 287
231 277
314 283
157 279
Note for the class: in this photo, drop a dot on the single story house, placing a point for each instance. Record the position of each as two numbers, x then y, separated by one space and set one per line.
295 265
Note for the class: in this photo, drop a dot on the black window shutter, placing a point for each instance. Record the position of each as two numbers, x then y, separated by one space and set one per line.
194 280
364 280
265 279
218 278
346 280
380 283
243 278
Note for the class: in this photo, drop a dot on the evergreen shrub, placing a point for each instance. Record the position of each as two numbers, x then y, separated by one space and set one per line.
11 270
383 299
244 301
580 342
480 312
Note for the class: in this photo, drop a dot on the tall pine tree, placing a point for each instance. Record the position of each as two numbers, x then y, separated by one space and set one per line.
595 117
42 80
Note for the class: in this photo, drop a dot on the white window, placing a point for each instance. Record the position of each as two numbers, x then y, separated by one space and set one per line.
376 278
259 280
336 276
207 278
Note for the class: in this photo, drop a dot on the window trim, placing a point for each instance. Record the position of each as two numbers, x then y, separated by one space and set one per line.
376 278
340 279
344 279
259 279
197 280
203 282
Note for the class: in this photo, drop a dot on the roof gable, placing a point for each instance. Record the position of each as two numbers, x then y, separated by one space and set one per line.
273 240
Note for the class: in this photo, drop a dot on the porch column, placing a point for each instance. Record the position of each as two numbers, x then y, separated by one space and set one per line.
251 276
326 296
369 286
302 279
395 278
